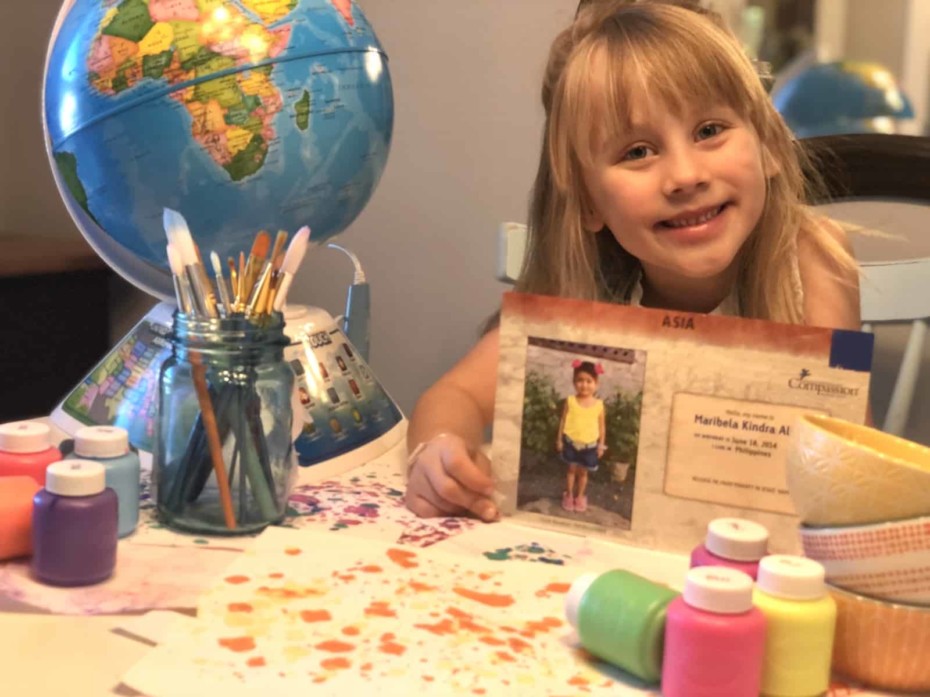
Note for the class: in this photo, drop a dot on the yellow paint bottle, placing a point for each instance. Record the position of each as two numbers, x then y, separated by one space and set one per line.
800 623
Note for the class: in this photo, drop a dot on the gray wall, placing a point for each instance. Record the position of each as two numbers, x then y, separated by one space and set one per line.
466 78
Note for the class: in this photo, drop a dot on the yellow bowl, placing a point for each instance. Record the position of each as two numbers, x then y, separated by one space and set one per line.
841 473
881 644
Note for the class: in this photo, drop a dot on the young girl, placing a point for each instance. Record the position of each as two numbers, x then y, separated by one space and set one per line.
666 179
582 434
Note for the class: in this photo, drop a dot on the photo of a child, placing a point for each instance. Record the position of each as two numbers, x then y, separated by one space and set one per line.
580 432
581 440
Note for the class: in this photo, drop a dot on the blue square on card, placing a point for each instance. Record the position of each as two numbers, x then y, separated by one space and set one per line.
851 350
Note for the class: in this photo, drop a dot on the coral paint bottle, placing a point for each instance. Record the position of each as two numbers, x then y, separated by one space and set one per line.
714 637
74 523
620 617
26 449
800 623
733 542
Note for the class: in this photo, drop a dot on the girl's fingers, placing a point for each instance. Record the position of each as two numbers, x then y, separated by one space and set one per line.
470 474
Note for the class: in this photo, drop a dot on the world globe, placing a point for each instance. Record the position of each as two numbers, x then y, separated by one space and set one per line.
243 115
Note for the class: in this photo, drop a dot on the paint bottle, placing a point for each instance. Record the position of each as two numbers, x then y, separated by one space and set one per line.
16 516
733 542
74 523
109 445
800 622
714 637
26 449
620 617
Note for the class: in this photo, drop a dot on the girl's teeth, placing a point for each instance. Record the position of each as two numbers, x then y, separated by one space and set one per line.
690 222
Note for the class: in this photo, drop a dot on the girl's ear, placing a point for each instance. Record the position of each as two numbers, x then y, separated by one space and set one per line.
591 219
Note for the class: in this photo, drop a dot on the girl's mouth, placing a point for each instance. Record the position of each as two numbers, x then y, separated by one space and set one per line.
693 220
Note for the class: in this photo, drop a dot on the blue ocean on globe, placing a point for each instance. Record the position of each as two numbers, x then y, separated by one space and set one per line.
244 115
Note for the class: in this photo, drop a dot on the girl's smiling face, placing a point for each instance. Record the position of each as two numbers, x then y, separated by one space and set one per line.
680 192
585 385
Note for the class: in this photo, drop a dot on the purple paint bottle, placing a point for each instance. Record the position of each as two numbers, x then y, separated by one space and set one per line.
74 525
733 542
714 637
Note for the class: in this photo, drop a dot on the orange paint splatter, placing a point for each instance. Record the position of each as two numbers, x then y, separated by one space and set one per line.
387 636
518 645
235 580
504 656
337 663
292 551
553 588
336 646
380 608
479 691
350 631
276 574
238 644
485 576
440 628
428 678
403 558
492 599
578 680
365 666
239 607
466 621
492 641
393 648
255 662
542 627
421 587
288 593
370 569
345 577
315 615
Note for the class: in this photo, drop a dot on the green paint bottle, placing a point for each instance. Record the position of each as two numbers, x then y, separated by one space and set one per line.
620 618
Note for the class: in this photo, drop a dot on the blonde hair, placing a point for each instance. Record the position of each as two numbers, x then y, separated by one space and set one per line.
680 54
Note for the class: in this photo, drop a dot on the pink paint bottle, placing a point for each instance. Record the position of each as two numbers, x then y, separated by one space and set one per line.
714 637
26 450
733 542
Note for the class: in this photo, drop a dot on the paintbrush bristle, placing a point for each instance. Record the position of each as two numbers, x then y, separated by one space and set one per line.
295 251
261 245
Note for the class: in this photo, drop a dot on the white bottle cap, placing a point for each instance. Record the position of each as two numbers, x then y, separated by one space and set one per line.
718 589
795 578
75 478
573 598
25 437
737 539
101 441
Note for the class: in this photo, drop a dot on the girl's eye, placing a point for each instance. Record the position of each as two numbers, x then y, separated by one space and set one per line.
709 130
636 153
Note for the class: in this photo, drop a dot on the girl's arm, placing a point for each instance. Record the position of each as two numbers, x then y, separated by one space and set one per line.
558 437
447 474
602 430
831 290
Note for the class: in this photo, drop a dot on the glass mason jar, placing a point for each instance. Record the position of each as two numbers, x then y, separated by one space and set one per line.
223 457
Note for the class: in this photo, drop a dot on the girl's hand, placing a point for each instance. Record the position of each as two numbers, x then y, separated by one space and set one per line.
445 479
601 449
558 445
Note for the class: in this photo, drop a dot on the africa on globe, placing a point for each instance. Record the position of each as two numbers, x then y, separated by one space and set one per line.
243 115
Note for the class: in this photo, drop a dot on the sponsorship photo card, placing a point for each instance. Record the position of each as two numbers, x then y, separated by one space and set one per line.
643 425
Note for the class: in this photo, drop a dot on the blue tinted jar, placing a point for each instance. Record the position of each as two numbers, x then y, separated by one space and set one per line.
223 457
109 445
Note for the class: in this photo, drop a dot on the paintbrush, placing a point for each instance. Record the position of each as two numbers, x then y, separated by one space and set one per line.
221 284
180 237
255 261
292 259
181 288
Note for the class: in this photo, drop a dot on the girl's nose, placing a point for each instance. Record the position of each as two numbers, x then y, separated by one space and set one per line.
685 172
